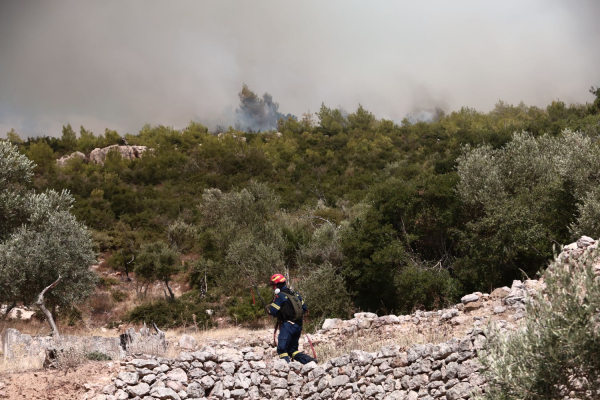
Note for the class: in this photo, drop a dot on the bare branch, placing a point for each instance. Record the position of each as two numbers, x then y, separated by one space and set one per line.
48 314
319 218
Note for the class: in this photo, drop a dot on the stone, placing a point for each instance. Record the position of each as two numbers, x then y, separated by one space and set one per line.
359 357
176 386
499 309
207 382
237 393
441 351
473 306
453 312
279 383
279 394
177 375
129 378
149 379
228 368
470 298
194 390
395 395
585 241
373 390
458 391
340 380
330 323
367 315
253 356
164 393
187 342
121 395
140 389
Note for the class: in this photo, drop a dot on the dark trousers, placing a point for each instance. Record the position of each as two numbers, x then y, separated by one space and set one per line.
287 343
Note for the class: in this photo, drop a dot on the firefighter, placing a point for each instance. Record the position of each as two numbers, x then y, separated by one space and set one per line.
289 308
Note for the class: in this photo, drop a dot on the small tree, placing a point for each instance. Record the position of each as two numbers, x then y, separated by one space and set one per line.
555 354
240 231
45 253
157 261
324 292
182 235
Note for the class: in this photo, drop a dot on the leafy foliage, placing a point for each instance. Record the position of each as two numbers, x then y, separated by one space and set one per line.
521 198
556 351
169 314
40 240
417 211
157 261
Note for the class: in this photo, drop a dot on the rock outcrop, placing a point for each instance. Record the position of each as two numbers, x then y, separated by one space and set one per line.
98 155
64 159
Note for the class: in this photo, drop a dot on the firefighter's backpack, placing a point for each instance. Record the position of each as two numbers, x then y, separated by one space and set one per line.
291 310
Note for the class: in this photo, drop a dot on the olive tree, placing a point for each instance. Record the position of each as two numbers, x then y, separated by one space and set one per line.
241 232
157 261
45 253
555 353
523 198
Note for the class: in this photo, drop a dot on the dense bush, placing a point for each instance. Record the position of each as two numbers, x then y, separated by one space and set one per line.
555 353
427 288
324 292
170 314
246 307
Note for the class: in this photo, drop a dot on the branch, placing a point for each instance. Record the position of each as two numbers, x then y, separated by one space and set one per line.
319 218
40 304
40 300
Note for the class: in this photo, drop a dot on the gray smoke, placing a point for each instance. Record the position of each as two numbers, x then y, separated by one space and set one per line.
121 64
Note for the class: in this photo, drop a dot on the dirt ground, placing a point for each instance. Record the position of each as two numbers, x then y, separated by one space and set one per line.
58 384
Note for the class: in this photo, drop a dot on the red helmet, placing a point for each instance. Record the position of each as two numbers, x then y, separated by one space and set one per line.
277 278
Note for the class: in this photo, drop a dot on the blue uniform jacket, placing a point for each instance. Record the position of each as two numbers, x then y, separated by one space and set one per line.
278 301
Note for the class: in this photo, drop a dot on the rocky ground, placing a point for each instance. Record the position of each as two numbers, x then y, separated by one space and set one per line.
58 384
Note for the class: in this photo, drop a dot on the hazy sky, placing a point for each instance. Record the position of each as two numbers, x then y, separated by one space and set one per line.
120 64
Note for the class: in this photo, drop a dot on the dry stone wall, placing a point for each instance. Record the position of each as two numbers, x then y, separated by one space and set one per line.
18 345
444 371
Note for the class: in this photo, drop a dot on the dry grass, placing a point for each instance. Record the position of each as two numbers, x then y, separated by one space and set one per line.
373 340
228 333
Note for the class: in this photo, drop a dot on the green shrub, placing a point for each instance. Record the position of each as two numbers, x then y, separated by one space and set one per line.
324 293
105 281
242 309
556 351
118 295
71 315
170 314
426 288
97 356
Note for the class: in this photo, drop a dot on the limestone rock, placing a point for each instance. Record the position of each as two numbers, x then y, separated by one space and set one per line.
470 298
98 155
64 159
187 342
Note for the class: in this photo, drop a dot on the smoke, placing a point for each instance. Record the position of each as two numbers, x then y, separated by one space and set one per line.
257 114
122 64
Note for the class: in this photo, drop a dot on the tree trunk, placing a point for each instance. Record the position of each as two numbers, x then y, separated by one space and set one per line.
127 268
9 309
48 314
170 291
